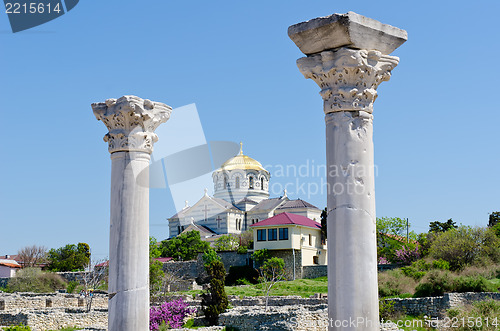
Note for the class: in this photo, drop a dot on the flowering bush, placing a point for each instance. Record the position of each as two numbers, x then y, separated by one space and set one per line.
383 260
407 255
172 313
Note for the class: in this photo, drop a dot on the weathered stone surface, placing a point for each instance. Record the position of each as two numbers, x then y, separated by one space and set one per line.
346 30
348 78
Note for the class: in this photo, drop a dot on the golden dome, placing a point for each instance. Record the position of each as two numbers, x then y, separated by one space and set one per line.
242 162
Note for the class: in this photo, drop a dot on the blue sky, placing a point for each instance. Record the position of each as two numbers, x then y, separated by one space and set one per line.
435 121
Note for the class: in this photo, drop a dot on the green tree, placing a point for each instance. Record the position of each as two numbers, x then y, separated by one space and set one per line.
260 256
227 242
271 272
214 301
209 256
465 246
324 218
154 248
184 247
393 225
437 226
494 218
156 276
69 258
246 239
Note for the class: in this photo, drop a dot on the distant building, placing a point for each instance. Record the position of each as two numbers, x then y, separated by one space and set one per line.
286 232
8 267
241 198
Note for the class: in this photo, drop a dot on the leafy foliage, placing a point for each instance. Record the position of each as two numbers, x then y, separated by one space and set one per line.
184 247
35 280
69 258
494 218
227 242
324 228
17 328
246 239
407 255
437 226
171 313
237 273
271 272
156 275
154 248
214 301
465 246
260 256
209 256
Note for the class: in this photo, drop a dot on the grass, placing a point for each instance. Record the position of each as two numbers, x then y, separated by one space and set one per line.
302 287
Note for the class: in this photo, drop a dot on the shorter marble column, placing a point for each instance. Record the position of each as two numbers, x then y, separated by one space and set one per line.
131 122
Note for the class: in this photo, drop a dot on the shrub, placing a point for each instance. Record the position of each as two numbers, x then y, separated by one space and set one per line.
472 284
171 313
242 250
465 246
242 272
440 264
484 314
386 310
35 280
394 282
435 283
407 255
227 242
214 301
18 328
71 286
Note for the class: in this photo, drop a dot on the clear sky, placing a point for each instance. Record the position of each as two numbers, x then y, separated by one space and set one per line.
436 120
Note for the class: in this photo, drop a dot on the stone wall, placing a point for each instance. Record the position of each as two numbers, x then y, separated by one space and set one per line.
76 276
54 319
314 271
436 306
287 256
11 301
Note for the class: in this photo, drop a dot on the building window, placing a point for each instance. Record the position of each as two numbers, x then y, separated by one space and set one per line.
225 181
315 259
261 235
310 240
272 234
250 180
262 183
179 229
283 233
237 182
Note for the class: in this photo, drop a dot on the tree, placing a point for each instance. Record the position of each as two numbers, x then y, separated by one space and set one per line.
154 248
465 246
226 242
494 219
184 247
246 239
392 225
437 226
324 218
69 258
214 301
260 256
32 256
93 278
271 272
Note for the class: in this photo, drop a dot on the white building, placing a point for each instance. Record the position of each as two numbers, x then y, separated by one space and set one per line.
241 198
8 268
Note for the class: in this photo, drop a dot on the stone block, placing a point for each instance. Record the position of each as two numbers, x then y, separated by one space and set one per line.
346 30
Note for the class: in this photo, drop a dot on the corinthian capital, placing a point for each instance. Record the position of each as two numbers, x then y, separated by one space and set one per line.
348 78
131 122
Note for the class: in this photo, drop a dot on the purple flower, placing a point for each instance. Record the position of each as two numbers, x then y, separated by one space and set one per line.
173 313
407 255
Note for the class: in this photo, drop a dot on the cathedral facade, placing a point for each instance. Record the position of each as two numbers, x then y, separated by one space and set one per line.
241 198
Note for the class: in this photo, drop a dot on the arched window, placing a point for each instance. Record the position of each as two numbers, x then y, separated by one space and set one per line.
250 180
225 181
262 183
237 182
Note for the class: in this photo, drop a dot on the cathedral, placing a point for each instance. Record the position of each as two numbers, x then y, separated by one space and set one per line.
241 198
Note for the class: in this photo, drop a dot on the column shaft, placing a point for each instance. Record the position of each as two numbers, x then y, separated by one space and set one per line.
352 251
128 245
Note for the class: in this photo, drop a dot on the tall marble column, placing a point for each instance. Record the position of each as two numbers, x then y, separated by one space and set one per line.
131 122
347 58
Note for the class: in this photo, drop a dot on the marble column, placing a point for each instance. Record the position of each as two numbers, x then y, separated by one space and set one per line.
131 122
347 56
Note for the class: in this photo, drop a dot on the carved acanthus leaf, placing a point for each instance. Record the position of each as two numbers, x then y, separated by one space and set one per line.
131 122
348 78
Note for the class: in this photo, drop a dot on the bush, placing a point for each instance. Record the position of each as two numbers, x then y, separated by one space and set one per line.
386 310
242 250
171 313
71 286
17 328
485 314
465 246
407 254
35 280
242 272
394 282
435 283
472 284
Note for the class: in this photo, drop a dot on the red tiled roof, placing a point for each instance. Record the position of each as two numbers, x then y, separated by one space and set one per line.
398 238
288 218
